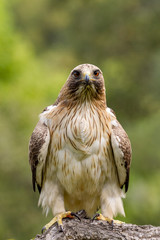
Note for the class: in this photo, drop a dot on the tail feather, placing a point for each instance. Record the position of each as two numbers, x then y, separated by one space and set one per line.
111 201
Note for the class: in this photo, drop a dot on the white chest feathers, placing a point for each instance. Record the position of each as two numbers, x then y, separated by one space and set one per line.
78 152
83 131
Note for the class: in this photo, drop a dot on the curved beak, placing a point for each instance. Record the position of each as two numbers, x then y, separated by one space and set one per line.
87 78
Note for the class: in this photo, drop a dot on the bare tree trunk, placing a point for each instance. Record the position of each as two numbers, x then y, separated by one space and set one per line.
86 229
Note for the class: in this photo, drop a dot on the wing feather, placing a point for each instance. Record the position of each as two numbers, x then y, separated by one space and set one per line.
38 149
121 150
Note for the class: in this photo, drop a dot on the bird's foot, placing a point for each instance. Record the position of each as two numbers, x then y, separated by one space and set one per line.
58 218
99 216
118 222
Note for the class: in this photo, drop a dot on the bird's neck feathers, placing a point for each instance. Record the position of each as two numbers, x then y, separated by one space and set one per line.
87 96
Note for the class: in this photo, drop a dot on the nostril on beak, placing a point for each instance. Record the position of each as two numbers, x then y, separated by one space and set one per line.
87 78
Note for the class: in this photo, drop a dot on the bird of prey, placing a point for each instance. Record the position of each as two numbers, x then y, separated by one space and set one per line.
79 153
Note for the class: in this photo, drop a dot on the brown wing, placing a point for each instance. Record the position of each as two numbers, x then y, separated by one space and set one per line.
38 149
122 151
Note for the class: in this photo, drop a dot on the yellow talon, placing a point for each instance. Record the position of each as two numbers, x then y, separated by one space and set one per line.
117 221
99 216
58 218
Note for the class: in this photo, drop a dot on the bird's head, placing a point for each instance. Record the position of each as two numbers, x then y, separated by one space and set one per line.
85 83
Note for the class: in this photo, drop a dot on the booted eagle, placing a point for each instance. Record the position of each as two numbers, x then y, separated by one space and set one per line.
79 153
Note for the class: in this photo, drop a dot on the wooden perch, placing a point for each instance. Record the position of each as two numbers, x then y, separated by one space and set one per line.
86 229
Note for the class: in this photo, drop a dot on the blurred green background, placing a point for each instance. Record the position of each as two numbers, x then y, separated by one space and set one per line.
40 42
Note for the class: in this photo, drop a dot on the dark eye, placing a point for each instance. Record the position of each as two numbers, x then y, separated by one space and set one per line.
96 73
76 74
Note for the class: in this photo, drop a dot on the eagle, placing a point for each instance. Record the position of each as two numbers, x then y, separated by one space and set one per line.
79 153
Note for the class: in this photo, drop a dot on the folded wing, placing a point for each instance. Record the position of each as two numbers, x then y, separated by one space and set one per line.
121 150
38 150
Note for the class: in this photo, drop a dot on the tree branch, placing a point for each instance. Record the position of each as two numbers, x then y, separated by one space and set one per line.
86 229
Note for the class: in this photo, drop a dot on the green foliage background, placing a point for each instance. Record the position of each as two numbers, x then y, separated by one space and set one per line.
40 42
